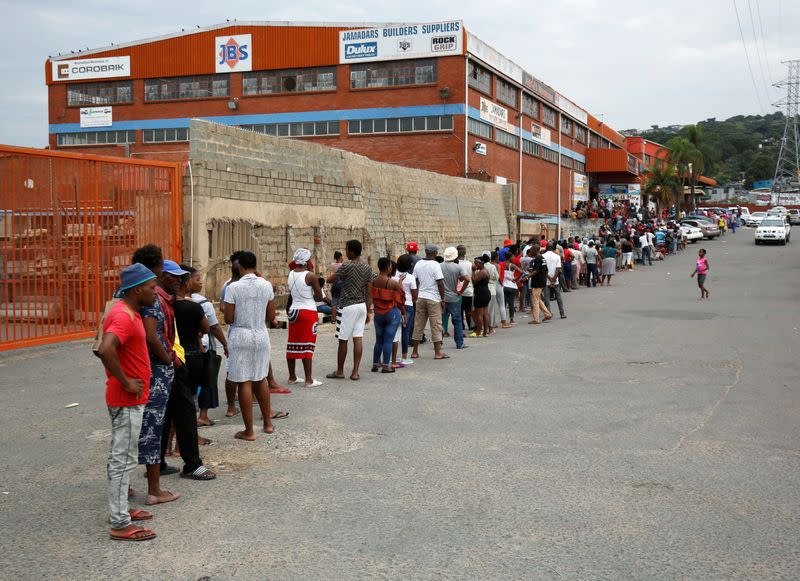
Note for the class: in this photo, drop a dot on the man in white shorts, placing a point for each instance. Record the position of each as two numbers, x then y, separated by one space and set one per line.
354 309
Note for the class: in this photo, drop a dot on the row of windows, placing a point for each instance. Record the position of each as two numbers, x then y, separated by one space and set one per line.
362 76
506 138
401 125
304 129
198 87
479 128
567 125
289 81
165 135
96 138
100 93
393 74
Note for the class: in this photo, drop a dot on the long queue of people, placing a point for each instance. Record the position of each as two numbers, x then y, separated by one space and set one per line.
162 343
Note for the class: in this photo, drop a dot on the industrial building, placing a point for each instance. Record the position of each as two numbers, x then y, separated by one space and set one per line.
425 95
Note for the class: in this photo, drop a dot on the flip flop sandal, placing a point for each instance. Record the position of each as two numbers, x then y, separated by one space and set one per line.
173 497
209 424
315 383
281 391
139 514
202 473
279 415
129 536
334 376
294 381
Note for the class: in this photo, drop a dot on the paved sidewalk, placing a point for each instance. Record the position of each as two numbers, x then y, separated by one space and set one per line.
649 435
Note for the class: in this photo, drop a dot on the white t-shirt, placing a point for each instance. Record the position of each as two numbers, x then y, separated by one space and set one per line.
408 283
553 262
428 272
649 238
466 271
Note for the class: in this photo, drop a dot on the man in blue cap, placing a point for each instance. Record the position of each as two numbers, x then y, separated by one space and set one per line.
123 350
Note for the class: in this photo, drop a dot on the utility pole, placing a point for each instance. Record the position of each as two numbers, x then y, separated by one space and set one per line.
787 170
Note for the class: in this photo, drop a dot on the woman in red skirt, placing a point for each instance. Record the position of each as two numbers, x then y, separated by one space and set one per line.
305 290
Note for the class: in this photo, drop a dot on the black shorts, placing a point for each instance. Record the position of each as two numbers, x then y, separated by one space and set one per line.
701 279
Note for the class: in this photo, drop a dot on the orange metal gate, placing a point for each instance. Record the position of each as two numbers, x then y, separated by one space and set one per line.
68 224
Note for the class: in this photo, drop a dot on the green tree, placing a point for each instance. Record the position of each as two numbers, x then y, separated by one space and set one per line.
680 152
661 184
761 168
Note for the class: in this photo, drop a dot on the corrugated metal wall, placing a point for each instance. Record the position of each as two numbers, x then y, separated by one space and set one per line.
274 47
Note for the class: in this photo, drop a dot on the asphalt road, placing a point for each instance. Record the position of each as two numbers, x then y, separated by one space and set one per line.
647 436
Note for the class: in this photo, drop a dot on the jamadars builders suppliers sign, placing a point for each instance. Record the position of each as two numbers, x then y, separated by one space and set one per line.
99 68
401 41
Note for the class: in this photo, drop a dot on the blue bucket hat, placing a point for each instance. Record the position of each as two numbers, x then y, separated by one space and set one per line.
132 276
172 267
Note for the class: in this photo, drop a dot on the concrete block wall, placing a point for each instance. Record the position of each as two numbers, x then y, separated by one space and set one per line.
272 195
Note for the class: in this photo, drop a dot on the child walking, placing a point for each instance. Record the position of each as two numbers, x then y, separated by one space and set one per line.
701 270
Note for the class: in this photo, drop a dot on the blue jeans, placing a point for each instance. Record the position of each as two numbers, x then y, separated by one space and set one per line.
385 330
454 310
408 329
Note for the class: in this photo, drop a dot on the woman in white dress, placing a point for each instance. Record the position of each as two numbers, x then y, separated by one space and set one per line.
248 310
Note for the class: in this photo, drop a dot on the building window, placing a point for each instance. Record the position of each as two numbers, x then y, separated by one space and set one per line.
394 74
100 93
479 128
549 155
579 166
531 148
289 81
165 135
580 133
566 125
530 106
303 129
480 78
200 87
96 138
401 125
507 139
507 93
549 115
594 140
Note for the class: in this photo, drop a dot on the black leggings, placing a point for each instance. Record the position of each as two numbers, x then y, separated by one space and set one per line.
510 295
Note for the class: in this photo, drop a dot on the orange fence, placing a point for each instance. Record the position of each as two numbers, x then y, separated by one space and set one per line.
68 224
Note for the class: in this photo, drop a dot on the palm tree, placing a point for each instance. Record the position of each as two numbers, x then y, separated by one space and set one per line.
661 182
701 158
680 152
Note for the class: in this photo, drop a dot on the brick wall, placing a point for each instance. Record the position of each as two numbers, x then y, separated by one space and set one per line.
271 195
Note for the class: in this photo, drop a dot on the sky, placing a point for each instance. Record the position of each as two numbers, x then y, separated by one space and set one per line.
632 64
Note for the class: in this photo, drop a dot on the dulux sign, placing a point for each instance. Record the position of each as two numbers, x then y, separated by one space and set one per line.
401 41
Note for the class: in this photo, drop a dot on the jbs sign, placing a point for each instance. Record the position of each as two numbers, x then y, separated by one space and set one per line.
100 68
234 53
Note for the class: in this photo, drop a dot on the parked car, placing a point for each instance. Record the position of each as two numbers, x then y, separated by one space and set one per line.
692 233
707 227
754 219
773 229
794 216
777 211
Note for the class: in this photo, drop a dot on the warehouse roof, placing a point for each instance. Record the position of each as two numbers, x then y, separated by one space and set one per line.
226 24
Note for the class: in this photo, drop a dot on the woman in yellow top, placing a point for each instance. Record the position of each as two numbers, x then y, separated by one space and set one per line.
722 225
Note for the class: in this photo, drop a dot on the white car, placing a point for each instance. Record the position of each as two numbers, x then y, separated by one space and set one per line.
755 219
692 233
773 229
777 210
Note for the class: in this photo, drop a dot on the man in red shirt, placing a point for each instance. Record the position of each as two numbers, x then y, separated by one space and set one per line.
123 351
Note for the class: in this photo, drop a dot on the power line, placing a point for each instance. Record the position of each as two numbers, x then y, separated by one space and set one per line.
747 57
763 41
758 52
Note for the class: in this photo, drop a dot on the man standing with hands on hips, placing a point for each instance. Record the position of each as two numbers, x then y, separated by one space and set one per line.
123 350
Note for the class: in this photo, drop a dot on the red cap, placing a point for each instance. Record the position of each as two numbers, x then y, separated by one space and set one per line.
508 242
412 247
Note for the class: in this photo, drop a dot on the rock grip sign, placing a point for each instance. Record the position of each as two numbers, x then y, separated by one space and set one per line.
401 42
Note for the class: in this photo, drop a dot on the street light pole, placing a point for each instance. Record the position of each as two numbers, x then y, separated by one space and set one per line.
691 180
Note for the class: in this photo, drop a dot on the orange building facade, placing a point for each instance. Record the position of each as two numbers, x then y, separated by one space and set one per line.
425 95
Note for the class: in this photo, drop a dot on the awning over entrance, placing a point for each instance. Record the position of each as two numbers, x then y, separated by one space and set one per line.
616 161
